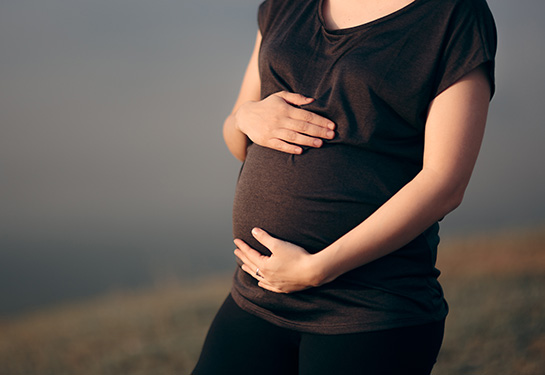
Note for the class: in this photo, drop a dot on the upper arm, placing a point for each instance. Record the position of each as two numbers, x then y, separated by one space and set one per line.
250 89
455 129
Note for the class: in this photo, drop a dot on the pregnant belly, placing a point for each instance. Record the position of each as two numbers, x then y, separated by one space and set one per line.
311 199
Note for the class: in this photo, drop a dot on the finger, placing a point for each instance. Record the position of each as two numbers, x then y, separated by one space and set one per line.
248 266
244 259
296 139
293 98
306 128
267 240
252 271
280 145
248 254
310 129
263 284
311 118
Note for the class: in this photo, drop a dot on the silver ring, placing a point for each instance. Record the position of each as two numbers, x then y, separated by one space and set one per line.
257 272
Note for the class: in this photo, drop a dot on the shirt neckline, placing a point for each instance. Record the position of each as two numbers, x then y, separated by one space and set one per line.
352 29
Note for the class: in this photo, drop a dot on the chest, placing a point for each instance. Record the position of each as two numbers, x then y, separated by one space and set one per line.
343 14
362 73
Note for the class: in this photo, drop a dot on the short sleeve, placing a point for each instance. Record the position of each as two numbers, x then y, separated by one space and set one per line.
471 41
268 13
263 16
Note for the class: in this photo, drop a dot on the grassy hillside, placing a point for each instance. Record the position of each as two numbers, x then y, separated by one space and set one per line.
495 286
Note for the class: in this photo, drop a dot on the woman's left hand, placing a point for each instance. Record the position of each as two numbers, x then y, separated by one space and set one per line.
288 269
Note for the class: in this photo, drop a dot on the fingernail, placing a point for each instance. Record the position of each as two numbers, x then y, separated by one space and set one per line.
317 142
256 231
330 134
331 126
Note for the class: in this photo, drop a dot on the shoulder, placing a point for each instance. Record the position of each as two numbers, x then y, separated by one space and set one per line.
471 8
270 8
469 40
469 4
271 11
475 14
475 8
272 4
476 5
460 15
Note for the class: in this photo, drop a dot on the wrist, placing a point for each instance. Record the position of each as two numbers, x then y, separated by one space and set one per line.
322 269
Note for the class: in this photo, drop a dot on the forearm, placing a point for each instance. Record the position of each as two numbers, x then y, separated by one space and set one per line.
454 131
250 90
407 214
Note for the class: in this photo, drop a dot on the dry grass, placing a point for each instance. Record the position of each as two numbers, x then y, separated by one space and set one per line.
495 286
156 331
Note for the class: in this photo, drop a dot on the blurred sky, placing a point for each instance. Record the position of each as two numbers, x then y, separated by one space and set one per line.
113 171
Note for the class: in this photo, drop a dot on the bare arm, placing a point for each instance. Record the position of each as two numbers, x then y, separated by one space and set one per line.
454 132
273 122
237 141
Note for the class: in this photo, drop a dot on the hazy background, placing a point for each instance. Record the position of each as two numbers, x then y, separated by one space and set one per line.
113 171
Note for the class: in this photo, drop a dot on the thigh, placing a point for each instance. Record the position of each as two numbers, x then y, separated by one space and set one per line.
241 343
408 351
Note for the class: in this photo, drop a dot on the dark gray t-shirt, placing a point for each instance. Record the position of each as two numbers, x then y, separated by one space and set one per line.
375 81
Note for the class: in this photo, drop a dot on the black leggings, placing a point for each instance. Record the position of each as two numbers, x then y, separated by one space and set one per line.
241 343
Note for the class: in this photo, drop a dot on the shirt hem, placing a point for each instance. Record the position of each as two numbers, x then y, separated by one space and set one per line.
329 328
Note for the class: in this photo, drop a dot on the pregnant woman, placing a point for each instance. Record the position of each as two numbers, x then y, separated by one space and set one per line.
359 123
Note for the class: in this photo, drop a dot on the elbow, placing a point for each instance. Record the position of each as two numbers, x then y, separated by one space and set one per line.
456 201
446 192
237 147
240 156
238 152
453 199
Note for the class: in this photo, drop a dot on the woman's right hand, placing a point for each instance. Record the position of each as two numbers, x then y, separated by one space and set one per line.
276 122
